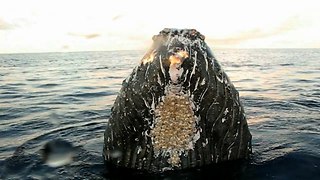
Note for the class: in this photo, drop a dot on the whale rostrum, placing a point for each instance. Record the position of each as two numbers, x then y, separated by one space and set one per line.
177 110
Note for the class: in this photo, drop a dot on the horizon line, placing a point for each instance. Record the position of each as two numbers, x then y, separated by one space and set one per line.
219 48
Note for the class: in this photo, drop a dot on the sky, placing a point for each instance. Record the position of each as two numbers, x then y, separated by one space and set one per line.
105 25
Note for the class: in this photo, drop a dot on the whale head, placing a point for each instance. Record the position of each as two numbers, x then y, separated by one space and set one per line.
177 110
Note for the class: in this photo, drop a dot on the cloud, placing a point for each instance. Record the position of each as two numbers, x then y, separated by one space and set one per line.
117 17
65 47
257 33
5 25
86 36
14 23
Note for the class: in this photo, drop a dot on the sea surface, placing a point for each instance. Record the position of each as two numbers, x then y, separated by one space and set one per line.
68 97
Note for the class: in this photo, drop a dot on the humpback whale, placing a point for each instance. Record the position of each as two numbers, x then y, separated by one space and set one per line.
177 110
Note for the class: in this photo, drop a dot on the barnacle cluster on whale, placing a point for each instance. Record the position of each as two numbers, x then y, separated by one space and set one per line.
177 109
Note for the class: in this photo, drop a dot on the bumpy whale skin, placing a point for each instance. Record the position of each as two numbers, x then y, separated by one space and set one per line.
177 110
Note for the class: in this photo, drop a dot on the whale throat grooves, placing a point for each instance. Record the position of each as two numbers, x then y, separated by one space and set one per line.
177 110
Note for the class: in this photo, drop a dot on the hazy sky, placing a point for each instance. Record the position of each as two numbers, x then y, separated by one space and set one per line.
91 25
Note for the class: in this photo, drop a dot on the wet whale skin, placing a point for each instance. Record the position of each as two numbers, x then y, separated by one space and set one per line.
177 110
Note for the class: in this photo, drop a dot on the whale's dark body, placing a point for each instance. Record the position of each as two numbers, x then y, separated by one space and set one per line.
177 110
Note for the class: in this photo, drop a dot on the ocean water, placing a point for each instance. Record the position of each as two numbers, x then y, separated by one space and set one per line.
68 96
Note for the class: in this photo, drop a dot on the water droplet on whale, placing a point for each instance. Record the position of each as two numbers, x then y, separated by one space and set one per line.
57 153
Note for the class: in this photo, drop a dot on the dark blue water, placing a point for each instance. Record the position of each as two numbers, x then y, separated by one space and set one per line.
68 96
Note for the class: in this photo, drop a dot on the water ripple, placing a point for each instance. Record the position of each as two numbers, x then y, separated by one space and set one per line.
47 96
